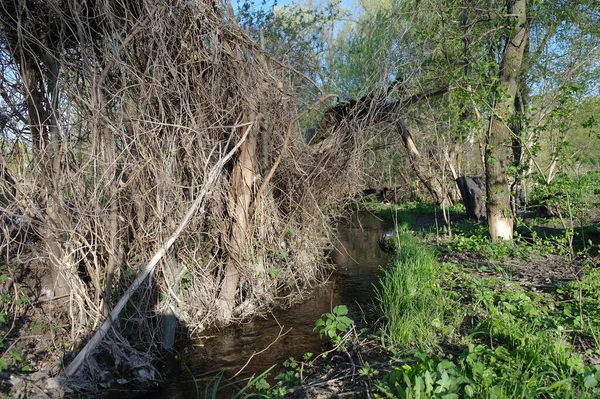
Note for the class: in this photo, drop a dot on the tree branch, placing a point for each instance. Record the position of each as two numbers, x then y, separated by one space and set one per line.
103 330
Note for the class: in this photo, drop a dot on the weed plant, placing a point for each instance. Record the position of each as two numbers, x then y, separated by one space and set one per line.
409 299
13 302
520 344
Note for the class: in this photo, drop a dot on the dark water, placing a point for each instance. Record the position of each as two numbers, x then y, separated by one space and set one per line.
357 258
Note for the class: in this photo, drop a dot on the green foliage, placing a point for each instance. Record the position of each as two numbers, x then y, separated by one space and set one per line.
410 301
479 242
390 244
299 33
426 377
570 197
485 372
367 371
569 194
406 213
11 304
331 325
518 348
291 377
217 387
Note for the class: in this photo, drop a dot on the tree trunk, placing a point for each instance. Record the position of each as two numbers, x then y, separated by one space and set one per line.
433 185
44 153
237 245
472 191
498 148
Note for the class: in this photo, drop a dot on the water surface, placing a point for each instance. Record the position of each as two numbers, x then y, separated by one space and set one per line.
357 258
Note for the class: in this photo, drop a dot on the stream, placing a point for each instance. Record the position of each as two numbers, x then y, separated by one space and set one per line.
357 258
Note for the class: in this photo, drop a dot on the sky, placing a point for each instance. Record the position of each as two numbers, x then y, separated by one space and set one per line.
350 5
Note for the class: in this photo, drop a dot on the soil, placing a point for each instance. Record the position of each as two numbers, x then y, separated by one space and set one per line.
538 273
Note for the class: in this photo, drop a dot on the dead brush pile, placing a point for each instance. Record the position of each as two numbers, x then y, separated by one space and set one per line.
119 118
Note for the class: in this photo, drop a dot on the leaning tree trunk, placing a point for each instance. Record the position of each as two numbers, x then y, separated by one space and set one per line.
498 149
432 184
238 242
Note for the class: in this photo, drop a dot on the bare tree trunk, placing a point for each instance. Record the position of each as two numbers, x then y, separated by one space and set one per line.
238 243
498 149
45 157
434 187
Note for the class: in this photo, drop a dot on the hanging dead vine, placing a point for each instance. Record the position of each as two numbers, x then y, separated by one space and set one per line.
117 112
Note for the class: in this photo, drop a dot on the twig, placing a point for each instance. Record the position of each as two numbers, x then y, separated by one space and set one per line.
284 148
103 330
289 67
265 349
352 363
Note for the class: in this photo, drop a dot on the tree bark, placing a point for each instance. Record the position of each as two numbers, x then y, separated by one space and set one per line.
498 148
45 156
237 244
433 186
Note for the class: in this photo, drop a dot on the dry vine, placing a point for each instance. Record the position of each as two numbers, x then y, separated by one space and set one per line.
121 116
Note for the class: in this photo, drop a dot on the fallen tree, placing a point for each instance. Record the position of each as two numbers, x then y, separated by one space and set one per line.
376 108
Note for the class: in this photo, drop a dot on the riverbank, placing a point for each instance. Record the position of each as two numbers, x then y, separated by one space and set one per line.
462 317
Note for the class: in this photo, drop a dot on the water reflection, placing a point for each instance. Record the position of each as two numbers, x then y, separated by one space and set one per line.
357 257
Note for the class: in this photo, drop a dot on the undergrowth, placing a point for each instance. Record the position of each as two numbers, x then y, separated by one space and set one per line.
473 331
409 298
517 344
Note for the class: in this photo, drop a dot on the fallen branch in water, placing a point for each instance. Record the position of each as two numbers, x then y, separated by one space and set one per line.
103 330
281 334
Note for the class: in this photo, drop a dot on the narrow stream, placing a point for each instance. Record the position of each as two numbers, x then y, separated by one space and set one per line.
357 257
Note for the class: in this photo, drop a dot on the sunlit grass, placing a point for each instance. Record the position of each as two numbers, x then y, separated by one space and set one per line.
409 299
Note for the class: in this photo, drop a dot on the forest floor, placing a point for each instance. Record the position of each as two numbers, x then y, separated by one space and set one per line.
484 320
32 329
514 320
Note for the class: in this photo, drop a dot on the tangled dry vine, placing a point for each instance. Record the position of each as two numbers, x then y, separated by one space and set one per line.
124 116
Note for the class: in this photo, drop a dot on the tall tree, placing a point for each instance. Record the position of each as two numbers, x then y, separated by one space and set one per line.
498 147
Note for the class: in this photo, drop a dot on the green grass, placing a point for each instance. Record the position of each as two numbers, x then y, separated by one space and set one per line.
451 332
518 344
410 301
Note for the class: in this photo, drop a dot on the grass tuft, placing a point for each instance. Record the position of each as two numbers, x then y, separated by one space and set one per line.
409 299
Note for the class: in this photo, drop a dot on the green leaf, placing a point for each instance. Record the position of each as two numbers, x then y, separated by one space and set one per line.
590 381
469 391
16 355
428 381
419 385
346 321
340 310
262 384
